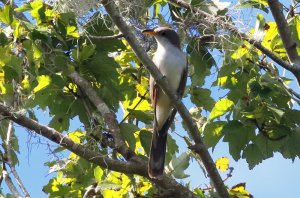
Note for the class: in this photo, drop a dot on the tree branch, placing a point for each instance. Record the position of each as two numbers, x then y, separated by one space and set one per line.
286 36
66 142
231 28
209 164
129 167
284 30
9 183
9 159
109 117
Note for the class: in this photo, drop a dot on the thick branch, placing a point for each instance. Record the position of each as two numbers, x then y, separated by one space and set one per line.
129 167
163 83
9 158
284 30
286 36
230 27
108 116
66 142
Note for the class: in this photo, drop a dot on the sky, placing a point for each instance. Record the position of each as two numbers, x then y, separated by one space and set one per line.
275 177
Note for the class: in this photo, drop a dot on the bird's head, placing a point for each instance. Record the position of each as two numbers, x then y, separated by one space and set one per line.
164 34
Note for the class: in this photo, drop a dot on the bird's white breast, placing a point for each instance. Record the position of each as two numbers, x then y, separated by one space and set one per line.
171 61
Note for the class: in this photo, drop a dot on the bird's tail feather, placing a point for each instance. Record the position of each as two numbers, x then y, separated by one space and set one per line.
157 153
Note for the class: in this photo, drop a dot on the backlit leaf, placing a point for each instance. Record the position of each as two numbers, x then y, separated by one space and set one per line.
213 133
221 107
43 82
6 14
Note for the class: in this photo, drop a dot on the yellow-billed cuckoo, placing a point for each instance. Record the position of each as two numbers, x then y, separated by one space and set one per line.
172 63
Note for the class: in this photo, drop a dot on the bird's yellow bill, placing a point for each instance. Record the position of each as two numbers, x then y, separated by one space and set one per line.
149 32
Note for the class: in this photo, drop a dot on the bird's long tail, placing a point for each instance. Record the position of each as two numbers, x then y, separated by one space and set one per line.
158 148
157 153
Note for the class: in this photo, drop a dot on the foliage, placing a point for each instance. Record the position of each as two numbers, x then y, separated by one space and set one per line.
255 112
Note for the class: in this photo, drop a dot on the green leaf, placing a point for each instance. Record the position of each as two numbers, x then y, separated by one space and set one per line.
98 173
221 107
6 15
238 136
292 149
145 138
178 165
141 115
13 68
213 133
172 148
201 97
86 52
127 131
278 113
60 122
253 155
201 61
23 8
38 11
259 4
3 39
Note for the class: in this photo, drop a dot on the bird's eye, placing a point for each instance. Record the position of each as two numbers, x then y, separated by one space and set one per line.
163 33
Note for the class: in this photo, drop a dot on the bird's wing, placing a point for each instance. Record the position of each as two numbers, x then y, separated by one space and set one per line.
180 92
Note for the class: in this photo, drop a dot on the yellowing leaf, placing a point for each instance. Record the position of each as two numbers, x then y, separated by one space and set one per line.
143 187
1 76
76 136
51 13
120 179
25 83
270 33
241 51
98 173
240 191
220 108
70 88
43 81
142 88
222 164
36 52
72 31
2 88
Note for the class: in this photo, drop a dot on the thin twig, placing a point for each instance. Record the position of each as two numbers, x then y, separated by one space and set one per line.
9 159
100 38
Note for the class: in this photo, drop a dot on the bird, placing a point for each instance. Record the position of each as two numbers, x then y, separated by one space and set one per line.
172 63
